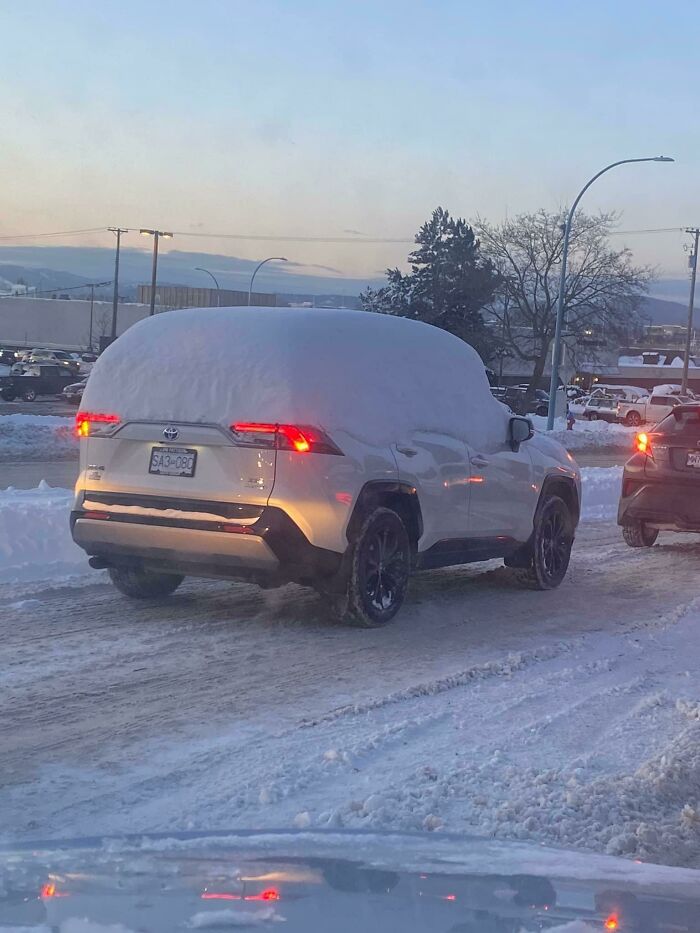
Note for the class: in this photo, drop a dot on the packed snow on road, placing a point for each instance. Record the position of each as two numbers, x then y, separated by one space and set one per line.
569 717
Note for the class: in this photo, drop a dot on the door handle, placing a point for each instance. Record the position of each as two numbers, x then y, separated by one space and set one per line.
407 451
479 461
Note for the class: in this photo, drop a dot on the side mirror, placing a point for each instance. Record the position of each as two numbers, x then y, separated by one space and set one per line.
519 431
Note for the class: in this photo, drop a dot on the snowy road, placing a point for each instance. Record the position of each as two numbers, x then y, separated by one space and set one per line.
571 717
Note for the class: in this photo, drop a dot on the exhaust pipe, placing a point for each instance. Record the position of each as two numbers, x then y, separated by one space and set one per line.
98 563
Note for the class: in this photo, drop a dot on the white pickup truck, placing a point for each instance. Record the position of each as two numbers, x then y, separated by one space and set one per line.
651 408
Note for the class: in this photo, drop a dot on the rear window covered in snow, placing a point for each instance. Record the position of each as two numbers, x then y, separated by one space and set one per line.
377 377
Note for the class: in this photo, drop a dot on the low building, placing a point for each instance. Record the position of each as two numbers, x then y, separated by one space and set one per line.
56 323
182 296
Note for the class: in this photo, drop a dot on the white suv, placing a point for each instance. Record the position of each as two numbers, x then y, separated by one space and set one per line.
338 449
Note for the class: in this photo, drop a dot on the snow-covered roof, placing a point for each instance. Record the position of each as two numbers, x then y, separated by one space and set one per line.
377 377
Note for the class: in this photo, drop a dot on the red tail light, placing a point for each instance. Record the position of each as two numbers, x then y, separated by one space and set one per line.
302 438
642 444
93 422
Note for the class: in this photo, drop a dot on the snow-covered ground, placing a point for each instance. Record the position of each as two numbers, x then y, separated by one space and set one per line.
570 717
36 437
35 541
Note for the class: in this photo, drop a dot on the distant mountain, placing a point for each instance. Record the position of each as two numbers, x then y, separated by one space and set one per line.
37 277
661 311
57 266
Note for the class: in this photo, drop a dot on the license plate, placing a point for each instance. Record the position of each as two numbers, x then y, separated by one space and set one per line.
693 459
173 461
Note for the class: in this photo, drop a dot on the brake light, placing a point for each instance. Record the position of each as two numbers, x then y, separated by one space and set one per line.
300 438
86 422
643 444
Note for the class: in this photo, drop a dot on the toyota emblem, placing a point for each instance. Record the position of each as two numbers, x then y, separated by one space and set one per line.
170 433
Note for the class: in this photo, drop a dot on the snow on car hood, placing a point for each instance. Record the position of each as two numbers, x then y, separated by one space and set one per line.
378 377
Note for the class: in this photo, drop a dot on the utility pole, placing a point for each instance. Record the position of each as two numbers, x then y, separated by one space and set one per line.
695 231
156 234
115 297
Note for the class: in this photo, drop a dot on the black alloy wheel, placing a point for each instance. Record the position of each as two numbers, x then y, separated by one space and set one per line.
381 563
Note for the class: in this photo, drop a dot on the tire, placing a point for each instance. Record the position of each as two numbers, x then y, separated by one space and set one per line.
633 419
380 562
29 395
593 416
142 584
8 395
550 550
639 535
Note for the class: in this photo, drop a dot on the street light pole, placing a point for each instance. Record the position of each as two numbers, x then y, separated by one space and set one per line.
156 234
218 290
554 381
691 303
115 296
255 272
92 307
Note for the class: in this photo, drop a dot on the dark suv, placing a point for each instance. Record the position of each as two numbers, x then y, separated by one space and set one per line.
661 481
516 399
38 379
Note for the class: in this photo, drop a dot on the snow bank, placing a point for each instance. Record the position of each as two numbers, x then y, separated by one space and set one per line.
37 437
587 435
374 376
35 539
600 492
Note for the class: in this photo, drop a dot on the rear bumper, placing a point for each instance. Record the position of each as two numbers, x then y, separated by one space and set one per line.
270 551
661 505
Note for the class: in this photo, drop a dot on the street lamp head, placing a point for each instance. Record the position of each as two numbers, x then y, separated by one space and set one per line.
147 232
663 159
167 236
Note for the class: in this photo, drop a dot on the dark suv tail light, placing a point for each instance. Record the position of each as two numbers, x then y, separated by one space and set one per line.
90 423
301 438
642 445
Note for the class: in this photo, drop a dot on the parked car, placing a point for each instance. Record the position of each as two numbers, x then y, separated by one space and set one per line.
59 357
661 481
37 379
598 408
338 450
516 399
73 393
652 409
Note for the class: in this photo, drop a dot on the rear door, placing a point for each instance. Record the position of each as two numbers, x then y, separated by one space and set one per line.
438 466
190 461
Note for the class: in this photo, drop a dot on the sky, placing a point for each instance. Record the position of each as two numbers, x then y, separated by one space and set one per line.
343 119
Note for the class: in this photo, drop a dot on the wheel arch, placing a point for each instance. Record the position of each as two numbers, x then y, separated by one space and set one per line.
565 488
402 498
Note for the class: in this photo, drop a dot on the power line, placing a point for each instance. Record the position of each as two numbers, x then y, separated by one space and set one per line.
282 238
291 238
36 236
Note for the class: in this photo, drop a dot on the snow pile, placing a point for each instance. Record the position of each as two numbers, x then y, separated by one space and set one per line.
587 435
630 360
37 437
600 492
35 539
374 376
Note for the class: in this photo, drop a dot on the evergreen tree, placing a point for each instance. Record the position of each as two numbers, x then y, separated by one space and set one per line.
448 285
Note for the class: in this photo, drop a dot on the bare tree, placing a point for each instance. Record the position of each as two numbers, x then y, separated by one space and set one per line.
603 287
